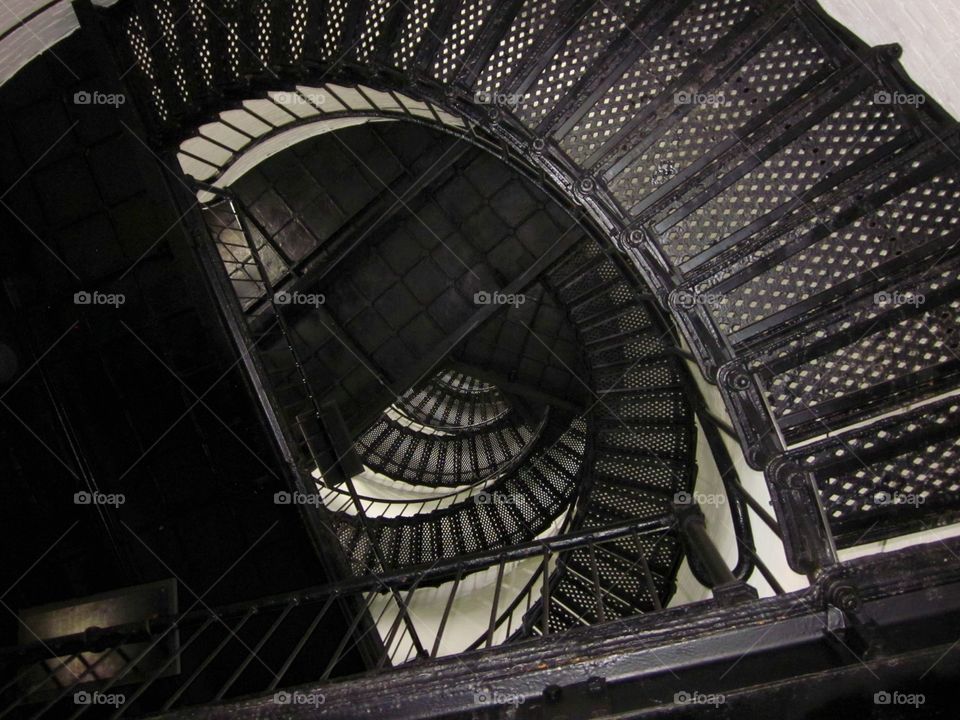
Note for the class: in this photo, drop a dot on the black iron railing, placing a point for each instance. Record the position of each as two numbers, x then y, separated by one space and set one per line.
798 230
267 645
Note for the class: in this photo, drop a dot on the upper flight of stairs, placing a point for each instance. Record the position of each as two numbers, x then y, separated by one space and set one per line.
768 174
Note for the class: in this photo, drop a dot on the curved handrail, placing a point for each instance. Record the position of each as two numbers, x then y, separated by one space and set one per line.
758 428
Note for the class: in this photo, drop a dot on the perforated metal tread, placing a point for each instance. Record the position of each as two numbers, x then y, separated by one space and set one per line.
454 407
764 155
644 437
403 452
898 476
512 510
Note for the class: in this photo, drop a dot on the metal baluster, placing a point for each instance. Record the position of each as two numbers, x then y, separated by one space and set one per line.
545 590
209 659
301 642
66 690
762 567
346 637
396 623
647 575
17 678
598 595
496 602
446 613
252 652
128 702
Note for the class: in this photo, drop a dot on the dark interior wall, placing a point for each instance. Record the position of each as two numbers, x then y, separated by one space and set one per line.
450 221
145 399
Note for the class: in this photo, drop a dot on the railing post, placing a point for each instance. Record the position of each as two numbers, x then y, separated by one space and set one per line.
727 589
807 538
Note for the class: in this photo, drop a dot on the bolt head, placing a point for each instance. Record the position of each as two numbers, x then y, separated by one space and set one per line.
684 300
737 380
845 597
586 185
632 238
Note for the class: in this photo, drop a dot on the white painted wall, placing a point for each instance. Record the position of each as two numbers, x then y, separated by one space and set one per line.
928 30
36 35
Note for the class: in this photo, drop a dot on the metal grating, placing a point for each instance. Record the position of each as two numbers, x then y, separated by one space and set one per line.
906 348
786 60
533 18
465 28
581 50
335 18
692 33
416 25
373 24
920 215
843 137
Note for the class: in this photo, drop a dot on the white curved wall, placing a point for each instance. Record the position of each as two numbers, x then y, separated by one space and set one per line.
29 36
928 30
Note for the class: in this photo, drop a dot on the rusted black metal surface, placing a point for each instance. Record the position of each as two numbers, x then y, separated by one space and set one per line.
770 178
727 266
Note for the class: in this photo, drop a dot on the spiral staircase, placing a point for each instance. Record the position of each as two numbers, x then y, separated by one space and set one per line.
742 201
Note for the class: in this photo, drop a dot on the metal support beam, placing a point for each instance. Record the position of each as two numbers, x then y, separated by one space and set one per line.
727 588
